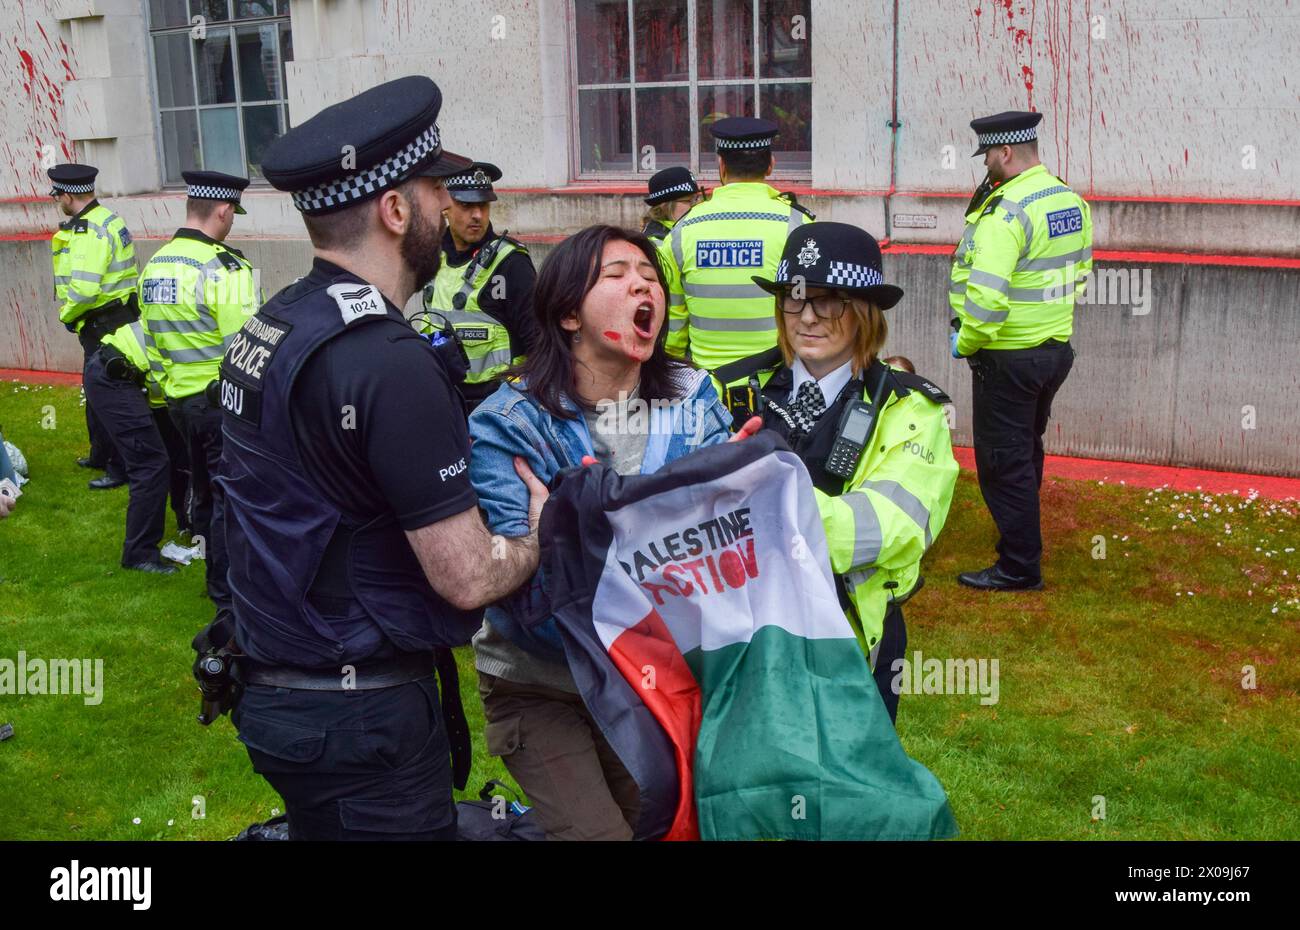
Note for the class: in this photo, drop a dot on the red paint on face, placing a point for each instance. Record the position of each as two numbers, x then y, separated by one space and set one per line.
613 336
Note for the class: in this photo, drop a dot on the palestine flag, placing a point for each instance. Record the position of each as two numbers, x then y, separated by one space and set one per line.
702 627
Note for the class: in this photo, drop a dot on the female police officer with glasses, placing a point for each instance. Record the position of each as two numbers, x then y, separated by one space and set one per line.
874 439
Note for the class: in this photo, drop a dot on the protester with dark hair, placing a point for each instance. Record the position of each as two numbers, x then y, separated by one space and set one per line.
597 385
875 440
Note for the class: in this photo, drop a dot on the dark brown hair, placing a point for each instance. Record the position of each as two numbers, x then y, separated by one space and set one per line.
567 277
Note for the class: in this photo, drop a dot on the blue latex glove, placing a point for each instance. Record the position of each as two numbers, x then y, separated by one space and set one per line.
952 344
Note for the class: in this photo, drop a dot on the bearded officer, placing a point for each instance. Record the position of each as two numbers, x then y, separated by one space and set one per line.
485 285
1022 259
357 552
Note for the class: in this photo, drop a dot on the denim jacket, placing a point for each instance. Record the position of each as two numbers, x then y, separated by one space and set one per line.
511 423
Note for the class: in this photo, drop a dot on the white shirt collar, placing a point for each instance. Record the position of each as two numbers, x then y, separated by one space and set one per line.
831 385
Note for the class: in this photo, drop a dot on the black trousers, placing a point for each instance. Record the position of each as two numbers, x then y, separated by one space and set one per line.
353 765
1013 391
102 453
200 423
893 645
178 457
123 411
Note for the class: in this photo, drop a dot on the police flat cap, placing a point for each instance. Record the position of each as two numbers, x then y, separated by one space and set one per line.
474 184
1009 128
670 184
214 185
71 179
355 150
743 132
835 256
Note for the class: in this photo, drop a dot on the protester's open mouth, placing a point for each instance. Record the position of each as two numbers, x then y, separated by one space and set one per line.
642 320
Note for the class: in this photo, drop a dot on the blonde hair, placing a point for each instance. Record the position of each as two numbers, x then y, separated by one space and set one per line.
867 342
662 212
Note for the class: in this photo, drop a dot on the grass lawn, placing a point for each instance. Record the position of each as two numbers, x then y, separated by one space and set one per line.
1123 680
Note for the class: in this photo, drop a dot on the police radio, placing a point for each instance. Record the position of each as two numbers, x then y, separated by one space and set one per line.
484 257
854 432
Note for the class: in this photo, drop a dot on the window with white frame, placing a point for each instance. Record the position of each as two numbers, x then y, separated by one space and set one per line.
219 82
653 75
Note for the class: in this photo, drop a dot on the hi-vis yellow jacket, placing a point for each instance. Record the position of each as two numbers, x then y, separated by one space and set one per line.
894 506
195 295
1020 264
710 256
94 264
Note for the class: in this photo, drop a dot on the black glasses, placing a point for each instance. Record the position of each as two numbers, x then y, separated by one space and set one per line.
826 307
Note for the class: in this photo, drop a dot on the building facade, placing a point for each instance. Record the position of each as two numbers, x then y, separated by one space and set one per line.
1174 117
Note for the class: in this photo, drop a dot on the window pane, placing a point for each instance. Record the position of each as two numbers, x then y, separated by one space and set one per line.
662 121
221 140
662 53
602 41
171 54
163 13
249 9
725 38
215 67
259 72
718 103
790 106
214 11
286 46
784 43
282 7
262 126
180 132
605 129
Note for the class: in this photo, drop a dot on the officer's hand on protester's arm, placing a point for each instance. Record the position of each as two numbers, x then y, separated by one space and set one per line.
466 564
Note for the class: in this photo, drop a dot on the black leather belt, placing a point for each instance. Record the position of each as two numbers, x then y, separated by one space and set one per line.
364 676
369 676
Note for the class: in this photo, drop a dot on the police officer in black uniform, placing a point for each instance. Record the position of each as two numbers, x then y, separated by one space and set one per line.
357 551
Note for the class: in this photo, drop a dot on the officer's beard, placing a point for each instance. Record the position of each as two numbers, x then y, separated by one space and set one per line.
422 246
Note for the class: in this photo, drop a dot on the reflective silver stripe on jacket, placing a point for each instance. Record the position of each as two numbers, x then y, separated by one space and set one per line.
1015 211
867 536
490 360
975 311
760 324
905 501
725 291
1056 262
982 278
202 354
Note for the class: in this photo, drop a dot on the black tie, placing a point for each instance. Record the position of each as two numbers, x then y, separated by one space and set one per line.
808 406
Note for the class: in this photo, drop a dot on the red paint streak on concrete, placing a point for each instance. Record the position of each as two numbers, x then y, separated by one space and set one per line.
28 65
1156 476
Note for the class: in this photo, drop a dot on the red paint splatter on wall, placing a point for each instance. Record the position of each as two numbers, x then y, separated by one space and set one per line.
31 102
